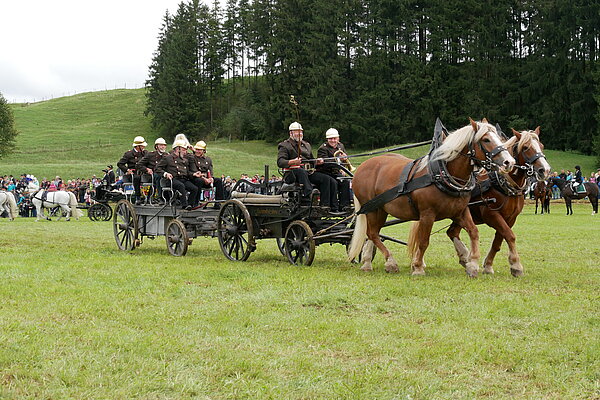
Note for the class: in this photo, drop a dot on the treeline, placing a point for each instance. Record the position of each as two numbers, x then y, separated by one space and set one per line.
380 71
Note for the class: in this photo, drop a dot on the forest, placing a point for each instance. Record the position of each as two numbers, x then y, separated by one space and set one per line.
380 71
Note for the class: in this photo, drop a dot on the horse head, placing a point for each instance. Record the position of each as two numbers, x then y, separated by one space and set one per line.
490 150
529 153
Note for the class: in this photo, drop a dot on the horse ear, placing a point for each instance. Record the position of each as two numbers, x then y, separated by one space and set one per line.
537 131
516 133
485 121
473 124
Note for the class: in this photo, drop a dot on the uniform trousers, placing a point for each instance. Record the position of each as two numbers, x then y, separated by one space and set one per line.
200 184
182 186
325 183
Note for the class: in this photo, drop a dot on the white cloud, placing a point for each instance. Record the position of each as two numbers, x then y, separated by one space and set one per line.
55 48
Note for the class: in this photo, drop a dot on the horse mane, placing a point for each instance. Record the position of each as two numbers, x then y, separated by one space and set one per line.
458 140
526 138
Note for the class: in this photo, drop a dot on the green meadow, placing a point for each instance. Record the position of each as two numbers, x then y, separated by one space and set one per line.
77 136
83 320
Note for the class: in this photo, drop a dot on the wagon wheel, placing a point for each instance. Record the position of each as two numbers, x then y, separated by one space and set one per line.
299 243
125 226
235 231
177 238
106 213
281 246
92 212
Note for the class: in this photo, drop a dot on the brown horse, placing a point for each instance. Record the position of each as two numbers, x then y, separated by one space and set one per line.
567 193
499 205
543 194
448 176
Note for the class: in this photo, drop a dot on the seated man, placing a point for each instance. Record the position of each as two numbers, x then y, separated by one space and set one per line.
201 168
148 163
293 157
128 163
333 148
174 167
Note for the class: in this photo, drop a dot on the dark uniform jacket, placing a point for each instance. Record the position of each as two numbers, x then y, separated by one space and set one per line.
174 165
326 151
109 177
288 150
130 159
202 164
150 160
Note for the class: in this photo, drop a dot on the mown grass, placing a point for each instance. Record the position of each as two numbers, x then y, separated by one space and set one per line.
77 136
81 319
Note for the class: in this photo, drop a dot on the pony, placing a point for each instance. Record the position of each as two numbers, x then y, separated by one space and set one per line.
498 199
65 200
566 192
542 193
432 188
8 203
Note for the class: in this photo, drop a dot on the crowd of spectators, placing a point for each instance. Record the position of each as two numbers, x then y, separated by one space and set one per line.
568 176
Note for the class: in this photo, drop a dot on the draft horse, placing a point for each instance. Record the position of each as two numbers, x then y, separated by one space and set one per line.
542 192
567 193
8 203
431 188
498 198
65 200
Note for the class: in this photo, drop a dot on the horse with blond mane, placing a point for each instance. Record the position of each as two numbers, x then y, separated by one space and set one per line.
498 198
432 188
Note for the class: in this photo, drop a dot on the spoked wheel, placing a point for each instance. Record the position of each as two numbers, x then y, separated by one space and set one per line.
299 243
177 238
125 226
281 245
100 212
235 231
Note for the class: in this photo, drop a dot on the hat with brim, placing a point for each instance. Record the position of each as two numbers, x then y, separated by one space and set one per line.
139 141
201 145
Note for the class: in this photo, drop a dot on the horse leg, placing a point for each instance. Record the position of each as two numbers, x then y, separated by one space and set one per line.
466 221
420 234
67 209
376 220
536 201
461 250
367 256
488 264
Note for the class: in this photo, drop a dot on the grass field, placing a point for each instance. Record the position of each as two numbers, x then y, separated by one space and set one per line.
83 320
77 136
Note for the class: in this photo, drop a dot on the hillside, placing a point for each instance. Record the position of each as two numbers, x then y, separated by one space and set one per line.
77 136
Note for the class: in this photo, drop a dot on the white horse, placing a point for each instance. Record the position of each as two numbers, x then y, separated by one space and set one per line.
65 200
8 203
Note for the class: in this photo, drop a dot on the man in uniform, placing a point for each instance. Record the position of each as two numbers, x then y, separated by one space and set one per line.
109 176
175 168
128 163
201 167
293 155
329 150
149 162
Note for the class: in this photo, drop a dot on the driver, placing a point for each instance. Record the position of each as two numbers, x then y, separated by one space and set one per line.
331 149
293 157
201 167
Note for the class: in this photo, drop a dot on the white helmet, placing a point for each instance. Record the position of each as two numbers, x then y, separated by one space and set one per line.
295 126
139 141
181 141
331 133
201 145
159 141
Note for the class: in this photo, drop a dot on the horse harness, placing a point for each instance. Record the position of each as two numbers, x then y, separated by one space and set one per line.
437 174
43 198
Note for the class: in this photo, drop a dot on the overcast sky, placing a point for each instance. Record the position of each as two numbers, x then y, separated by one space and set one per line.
54 48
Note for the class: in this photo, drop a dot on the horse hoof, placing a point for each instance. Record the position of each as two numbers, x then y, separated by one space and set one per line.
516 272
489 270
366 269
418 272
472 270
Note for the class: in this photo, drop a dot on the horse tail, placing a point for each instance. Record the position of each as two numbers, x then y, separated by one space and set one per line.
75 212
360 233
12 205
411 248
